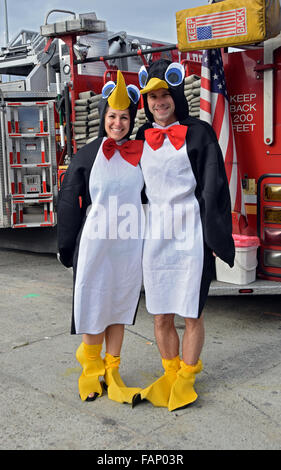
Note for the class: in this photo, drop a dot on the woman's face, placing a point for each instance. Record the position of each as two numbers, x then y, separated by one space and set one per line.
116 123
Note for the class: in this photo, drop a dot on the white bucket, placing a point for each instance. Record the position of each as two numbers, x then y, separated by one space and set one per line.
245 263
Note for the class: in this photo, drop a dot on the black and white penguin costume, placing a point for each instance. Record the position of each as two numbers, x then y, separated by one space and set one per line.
102 185
185 180
178 270
107 266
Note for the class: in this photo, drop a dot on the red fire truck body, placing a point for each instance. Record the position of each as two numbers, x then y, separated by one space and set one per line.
254 88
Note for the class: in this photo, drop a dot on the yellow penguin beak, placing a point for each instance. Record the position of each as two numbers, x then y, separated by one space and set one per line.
119 98
154 84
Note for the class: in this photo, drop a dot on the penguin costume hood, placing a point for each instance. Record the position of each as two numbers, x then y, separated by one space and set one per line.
169 75
120 97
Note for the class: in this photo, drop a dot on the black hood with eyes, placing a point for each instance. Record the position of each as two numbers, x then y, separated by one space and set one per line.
103 104
157 69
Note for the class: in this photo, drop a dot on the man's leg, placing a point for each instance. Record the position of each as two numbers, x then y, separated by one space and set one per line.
182 392
166 335
158 392
193 340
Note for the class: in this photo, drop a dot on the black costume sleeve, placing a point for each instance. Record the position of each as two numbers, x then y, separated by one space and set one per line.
73 200
217 205
212 189
70 213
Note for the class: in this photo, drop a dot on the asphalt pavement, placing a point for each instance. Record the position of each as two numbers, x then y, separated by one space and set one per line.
239 390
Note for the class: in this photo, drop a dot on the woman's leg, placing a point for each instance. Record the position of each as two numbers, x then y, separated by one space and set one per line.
93 339
116 389
114 335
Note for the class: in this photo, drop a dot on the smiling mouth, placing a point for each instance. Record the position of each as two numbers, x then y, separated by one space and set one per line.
162 109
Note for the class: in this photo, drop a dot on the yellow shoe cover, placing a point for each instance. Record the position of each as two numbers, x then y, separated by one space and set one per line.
116 389
158 392
182 392
93 367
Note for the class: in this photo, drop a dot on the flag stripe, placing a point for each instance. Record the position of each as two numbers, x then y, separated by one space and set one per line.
221 16
216 16
218 115
205 105
204 94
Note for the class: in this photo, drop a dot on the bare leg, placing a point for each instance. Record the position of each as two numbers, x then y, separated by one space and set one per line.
114 335
116 388
174 389
193 340
93 339
166 335
182 391
168 344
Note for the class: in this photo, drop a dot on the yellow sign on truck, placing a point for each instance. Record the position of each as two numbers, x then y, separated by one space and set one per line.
227 23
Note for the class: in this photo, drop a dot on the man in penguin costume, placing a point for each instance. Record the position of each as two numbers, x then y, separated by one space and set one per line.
107 267
184 175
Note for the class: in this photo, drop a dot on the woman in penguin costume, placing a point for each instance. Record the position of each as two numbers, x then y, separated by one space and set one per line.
103 178
187 191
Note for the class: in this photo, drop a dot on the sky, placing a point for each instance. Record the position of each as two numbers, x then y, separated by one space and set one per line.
153 19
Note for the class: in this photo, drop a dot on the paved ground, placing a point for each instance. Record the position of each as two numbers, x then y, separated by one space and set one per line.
239 404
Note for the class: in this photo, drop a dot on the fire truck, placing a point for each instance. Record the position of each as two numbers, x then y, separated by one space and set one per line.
46 117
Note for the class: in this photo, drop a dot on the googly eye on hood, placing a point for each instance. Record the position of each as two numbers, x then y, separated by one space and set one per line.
174 74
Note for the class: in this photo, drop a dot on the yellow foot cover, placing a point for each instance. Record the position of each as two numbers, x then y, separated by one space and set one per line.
158 392
182 392
116 389
93 367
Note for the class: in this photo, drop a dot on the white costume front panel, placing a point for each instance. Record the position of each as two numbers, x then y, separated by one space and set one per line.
109 271
173 245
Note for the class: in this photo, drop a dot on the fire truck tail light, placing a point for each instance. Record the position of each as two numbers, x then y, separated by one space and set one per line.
272 236
272 192
272 258
272 215
246 291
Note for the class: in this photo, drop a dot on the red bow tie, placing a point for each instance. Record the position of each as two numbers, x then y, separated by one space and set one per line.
176 134
131 150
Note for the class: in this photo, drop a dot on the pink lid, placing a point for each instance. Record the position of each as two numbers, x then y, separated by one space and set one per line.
245 240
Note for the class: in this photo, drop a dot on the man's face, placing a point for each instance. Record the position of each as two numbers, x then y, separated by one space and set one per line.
162 106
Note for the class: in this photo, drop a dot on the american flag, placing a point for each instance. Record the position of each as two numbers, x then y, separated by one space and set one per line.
221 24
214 108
